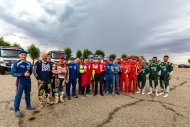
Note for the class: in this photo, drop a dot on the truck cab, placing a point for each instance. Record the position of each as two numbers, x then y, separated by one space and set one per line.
95 57
55 55
8 55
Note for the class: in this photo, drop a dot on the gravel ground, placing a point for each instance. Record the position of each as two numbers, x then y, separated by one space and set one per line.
119 111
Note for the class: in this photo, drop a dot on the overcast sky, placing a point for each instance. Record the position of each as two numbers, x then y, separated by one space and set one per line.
135 27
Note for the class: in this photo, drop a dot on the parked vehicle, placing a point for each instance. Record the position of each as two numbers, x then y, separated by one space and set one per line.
55 55
183 66
8 55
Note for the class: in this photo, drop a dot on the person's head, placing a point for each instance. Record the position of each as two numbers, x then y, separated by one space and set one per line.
110 61
115 61
99 59
129 59
154 59
166 58
91 59
107 59
85 60
44 57
72 60
143 62
23 55
61 59
49 57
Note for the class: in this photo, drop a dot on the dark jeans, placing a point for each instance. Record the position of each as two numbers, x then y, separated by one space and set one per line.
87 88
98 79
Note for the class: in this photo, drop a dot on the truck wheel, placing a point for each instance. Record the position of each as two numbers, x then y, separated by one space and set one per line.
2 71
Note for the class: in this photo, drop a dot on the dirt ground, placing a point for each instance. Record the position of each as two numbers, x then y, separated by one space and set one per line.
107 111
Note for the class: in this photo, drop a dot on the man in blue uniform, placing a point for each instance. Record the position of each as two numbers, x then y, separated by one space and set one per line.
117 72
22 69
73 75
110 77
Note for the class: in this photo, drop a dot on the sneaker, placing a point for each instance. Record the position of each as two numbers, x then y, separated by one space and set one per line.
83 97
142 93
157 94
95 94
69 98
75 96
102 94
161 93
31 108
113 94
107 93
166 95
138 91
18 114
88 95
149 92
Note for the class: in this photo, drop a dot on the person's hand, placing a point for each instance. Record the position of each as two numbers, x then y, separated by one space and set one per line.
112 70
66 81
159 78
40 82
105 78
27 74
169 78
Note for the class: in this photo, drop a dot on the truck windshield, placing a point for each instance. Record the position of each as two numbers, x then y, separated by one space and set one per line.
9 53
56 55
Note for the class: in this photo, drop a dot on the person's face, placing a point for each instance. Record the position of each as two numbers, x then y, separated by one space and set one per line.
49 57
91 59
143 62
72 61
44 57
85 61
166 59
61 60
23 56
110 62
154 60
99 60
116 61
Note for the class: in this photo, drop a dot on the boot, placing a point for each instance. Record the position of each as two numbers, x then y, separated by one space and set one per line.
56 98
61 97
48 99
41 101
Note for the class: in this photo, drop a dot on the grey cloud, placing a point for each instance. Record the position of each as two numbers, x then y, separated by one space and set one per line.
114 26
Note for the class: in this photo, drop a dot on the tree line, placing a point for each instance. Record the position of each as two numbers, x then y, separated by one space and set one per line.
34 51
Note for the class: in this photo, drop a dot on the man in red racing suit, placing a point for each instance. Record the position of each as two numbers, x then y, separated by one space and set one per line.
135 71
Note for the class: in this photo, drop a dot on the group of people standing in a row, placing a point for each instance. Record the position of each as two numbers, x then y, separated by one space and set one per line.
127 75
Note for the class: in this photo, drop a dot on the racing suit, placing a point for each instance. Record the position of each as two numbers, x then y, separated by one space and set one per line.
117 71
73 75
110 78
124 78
135 70
142 78
61 73
166 71
23 83
153 76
